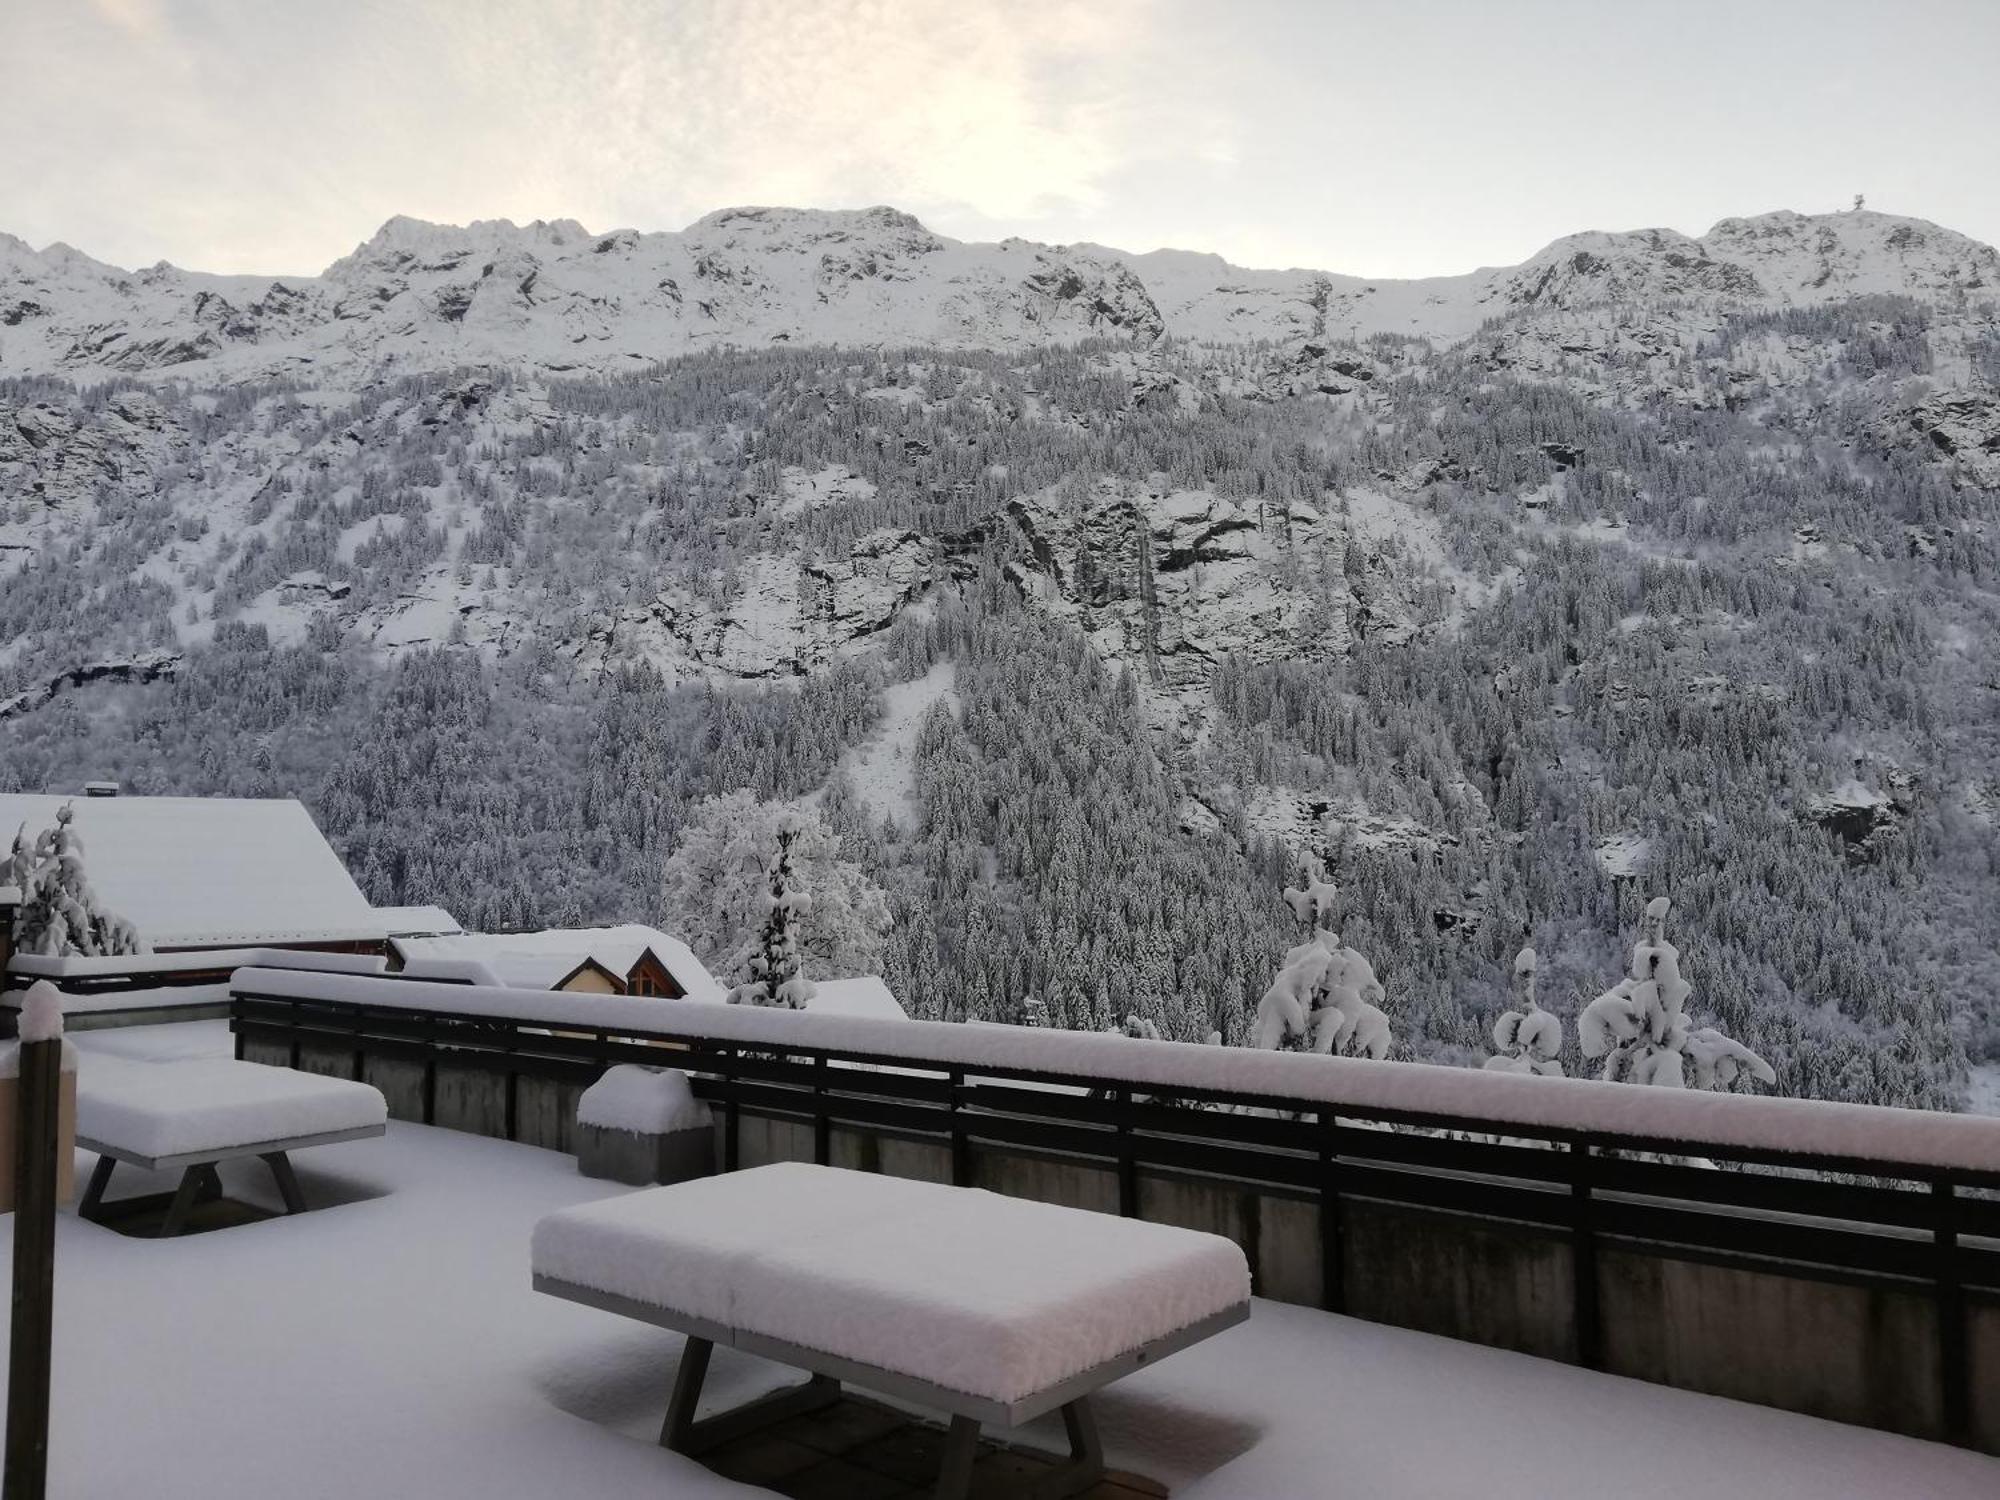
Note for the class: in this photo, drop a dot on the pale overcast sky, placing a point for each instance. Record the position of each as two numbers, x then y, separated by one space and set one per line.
1387 139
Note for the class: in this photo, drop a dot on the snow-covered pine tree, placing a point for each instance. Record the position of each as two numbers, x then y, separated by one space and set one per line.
59 913
1529 1038
776 969
1640 1026
1325 997
715 888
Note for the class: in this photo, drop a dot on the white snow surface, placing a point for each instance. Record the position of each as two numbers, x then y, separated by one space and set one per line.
77 966
643 1101
173 1108
970 1290
41 1013
866 996
1681 1116
209 870
418 921
883 768
423 1352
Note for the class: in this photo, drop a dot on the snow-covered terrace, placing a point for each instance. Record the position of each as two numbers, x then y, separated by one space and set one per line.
387 1343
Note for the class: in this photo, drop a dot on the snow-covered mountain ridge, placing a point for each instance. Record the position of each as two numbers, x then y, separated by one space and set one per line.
553 296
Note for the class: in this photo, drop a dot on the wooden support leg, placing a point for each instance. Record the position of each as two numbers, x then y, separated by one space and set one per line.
184 1196
287 1180
93 1194
1086 1456
679 1426
961 1447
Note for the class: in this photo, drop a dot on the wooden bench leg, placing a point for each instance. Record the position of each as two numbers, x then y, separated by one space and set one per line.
961 1447
679 1426
192 1181
683 1434
93 1194
1086 1456
287 1180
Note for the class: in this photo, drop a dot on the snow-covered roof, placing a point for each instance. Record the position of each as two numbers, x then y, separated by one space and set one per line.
542 960
418 921
867 996
208 871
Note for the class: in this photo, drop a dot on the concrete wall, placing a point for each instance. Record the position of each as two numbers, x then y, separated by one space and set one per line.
1852 1353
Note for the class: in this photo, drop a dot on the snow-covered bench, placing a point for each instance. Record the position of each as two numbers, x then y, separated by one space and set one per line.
191 1115
991 1309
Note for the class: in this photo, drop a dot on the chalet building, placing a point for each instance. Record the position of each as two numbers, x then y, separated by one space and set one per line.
197 874
627 960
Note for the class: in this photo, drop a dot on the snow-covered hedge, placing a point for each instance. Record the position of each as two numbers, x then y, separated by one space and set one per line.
1913 1138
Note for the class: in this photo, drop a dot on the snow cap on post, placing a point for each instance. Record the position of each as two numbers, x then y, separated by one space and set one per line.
41 1013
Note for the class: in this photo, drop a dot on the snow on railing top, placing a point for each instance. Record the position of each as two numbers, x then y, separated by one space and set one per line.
113 966
1744 1122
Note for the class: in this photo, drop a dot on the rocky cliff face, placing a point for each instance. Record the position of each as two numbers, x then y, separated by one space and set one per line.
1173 582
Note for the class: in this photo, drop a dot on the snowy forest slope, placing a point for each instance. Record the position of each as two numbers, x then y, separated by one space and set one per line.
1656 563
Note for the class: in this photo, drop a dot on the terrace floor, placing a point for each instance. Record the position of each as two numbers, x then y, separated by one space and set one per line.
387 1344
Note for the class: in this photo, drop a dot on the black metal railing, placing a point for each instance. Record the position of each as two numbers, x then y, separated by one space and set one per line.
1917 1228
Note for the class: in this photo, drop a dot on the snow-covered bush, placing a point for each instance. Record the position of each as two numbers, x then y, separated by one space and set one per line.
1640 1026
776 971
715 893
1325 997
1529 1038
59 913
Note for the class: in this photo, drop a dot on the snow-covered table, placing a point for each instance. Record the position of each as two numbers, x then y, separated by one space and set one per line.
988 1308
192 1115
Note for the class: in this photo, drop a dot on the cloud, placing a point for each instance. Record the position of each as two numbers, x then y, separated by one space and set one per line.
1007 108
272 134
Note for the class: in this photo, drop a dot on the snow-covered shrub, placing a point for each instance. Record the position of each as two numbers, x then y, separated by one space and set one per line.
715 890
1640 1026
1325 997
1529 1039
59 913
776 970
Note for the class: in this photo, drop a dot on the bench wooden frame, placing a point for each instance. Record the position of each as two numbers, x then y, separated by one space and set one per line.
199 1179
683 1434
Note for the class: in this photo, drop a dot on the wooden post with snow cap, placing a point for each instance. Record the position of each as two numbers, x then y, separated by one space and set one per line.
37 1178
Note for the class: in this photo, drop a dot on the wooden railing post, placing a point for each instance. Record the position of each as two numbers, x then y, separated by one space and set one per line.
822 1121
1583 1259
1332 1250
961 1148
732 1113
1953 1372
37 1174
1128 1164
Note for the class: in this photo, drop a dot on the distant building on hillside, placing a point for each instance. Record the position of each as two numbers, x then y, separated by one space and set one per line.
627 960
193 874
